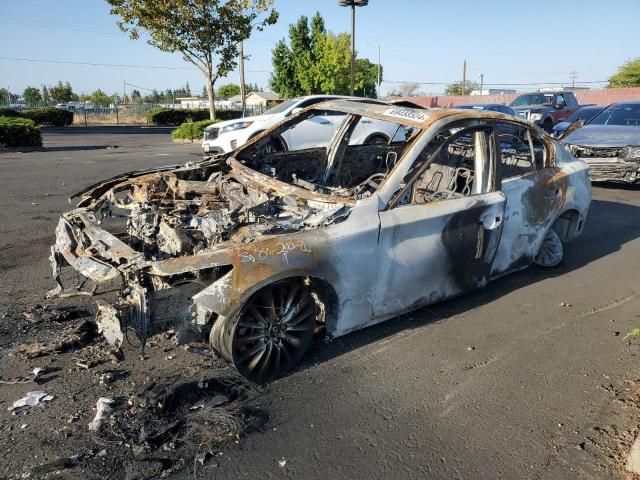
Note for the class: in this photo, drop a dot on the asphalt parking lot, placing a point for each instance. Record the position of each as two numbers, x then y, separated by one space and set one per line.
527 378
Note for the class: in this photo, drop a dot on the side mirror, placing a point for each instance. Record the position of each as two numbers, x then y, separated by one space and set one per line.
296 110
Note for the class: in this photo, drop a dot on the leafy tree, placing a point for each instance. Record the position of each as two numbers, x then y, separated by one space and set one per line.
228 90
136 97
204 91
5 95
32 95
187 90
205 32
628 75
45 95
455 88
283 79
318 61
62 93
366 78
334 64
100 99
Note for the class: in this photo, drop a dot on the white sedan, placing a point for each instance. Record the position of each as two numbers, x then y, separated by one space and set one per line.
224 137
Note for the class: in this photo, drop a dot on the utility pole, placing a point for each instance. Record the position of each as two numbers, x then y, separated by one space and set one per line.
242 92
124 90
481 83
464 77
573 75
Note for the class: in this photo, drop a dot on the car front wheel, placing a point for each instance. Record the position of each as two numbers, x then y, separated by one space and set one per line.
271 332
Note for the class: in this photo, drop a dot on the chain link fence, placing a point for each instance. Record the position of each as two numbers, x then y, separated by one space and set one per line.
125 114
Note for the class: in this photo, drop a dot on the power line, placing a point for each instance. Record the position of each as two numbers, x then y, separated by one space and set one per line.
497 84
91 64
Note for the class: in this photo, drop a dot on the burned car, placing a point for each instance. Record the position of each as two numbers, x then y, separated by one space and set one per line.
609 143
265 246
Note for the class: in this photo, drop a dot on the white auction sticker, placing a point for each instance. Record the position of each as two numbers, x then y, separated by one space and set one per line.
408 114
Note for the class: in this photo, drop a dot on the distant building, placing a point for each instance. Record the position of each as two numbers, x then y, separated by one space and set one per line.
492 91
196 103
262 99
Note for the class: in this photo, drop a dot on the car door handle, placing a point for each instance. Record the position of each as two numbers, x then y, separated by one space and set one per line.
490 222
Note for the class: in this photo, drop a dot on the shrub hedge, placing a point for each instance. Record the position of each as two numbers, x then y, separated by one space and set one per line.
49 116
169 116
19 132
8 112
191 130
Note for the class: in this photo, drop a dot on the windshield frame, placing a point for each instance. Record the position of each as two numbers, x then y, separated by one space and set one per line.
351 118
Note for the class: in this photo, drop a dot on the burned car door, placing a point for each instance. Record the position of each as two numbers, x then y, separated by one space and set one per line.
534 189
439 234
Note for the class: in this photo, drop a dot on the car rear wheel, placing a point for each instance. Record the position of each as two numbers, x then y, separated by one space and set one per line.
547 126
551 251
272 331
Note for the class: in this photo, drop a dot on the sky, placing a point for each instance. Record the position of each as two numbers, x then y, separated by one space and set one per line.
508 41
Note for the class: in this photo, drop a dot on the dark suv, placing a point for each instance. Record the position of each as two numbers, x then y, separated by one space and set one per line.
545 109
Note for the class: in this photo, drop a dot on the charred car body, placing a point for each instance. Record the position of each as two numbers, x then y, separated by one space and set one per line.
261 247
609 143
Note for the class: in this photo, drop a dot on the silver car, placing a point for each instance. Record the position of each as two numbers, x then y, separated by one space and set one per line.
262 248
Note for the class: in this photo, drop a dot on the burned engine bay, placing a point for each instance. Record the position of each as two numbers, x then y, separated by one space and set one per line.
133 226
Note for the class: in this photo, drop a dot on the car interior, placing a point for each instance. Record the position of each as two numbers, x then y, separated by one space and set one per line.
342 167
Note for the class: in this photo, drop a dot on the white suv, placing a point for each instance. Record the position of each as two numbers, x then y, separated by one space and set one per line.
223 137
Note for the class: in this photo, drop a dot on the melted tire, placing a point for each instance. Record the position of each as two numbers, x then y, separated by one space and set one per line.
551 251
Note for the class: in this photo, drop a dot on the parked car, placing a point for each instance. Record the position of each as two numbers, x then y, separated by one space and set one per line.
545 109
610 143
490 107
584 114
226 136
261 248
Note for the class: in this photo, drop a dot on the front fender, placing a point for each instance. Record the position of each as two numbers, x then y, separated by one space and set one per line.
260 263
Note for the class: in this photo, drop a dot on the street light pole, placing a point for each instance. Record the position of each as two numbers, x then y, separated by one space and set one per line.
481 83
353 4
353 45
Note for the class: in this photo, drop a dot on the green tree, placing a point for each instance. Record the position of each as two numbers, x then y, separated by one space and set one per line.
136 97
365 83
100 99
45 95
283 79
205 32
32 95
455 88
318 61
5 96
334 64
62 93
228 90
628 75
